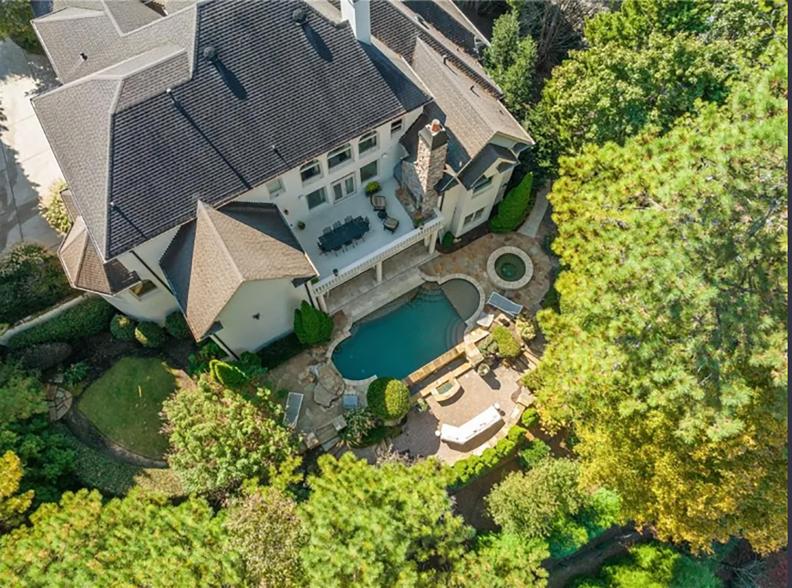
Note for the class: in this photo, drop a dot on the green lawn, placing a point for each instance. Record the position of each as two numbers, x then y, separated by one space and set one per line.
124 403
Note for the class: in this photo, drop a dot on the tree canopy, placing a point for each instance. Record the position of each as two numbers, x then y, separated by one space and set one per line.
137 540
13 503
220 437
668 356
390 525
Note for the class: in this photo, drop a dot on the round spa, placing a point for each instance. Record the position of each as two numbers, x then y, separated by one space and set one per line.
509 268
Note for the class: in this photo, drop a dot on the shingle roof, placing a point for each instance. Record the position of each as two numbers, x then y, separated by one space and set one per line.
86 270
482 162
212 256
210 141
471 115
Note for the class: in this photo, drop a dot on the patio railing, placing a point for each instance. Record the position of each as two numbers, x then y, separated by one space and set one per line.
370 261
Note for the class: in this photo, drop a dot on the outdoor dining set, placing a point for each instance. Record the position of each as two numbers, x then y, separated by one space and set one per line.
349 233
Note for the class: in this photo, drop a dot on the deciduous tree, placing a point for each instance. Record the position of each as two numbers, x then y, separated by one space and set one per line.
13 503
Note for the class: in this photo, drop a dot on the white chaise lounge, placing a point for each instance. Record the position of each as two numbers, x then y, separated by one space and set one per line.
504 304
471 429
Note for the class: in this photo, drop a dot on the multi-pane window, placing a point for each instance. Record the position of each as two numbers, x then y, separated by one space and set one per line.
479 214
482 184
474 216
316 198
367 142
311 170
142 288
275 187
368 171
396 126
338 156
344 188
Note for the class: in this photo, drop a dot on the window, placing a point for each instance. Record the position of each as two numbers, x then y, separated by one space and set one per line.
396 126
482 184
338 156
367 141
310 170
344 188
275 187
474 216
368 172
143 288
316 198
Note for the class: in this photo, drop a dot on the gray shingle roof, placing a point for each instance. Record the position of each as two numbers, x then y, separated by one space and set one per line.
302 89
482 162
86 270
212 256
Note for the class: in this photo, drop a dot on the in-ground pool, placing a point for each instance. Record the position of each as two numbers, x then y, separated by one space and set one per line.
510 267
407 333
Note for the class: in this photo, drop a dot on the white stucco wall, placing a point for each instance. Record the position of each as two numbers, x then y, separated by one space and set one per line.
273 300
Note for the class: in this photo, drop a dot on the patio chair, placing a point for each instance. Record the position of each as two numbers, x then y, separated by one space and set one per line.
504 304
337 224
348 219
390 223
327 230
378 202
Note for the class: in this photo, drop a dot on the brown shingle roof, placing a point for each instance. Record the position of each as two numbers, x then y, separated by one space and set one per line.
212 256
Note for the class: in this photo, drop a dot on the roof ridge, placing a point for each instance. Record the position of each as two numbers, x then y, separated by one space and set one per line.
205 209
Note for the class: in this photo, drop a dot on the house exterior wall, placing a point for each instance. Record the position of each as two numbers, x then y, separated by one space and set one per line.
273 301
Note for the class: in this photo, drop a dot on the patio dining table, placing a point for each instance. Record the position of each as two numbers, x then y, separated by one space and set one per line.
344 234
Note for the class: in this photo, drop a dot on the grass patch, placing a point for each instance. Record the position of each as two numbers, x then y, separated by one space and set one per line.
379 433
125 402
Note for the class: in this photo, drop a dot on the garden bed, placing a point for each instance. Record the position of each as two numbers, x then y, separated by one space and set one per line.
124 404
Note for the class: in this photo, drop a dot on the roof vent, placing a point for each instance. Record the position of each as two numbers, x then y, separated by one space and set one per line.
209 53
83 56
299 15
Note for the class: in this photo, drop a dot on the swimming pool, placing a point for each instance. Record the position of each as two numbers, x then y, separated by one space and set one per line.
405 334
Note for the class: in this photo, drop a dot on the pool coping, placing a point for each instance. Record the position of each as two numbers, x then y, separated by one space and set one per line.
346 332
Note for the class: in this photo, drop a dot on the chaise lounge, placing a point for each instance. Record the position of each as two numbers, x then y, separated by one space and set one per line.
471 429
391 223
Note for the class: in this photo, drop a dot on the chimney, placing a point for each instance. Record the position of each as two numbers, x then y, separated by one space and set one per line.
358 13
430 162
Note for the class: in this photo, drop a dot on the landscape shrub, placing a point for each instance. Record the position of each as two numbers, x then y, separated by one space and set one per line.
514 206
388 398
55 213
227 375
508 346
44 355
448 240
526 327
176 325
198 363
360 422
15 17
122 328
250 364
372 188
75 373
31 280
280 350
89 317
536 451
466 470
529 418
21 394
311 325
150 335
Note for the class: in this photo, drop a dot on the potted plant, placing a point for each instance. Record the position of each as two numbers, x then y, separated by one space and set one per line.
372 188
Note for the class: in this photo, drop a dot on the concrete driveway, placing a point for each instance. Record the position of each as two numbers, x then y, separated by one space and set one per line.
27 165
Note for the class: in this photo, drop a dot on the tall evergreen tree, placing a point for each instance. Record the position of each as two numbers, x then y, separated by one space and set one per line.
668 355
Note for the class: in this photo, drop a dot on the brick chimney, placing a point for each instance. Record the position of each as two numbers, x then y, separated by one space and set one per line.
430 162
358 13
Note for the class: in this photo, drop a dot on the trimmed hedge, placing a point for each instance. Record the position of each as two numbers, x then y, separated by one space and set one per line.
176 325
388 398
44 355
89 317
514 206
122 328
150 335
279 351
311 325
227 375
466 470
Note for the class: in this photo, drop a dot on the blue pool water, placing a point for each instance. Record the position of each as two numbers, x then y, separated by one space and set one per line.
401 337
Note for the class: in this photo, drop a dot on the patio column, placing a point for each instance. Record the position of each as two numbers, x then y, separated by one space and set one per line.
320 299
433 241
379 271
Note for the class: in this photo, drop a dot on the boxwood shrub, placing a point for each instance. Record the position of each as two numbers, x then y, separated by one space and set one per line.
150 335
227 375
176 326
122 328
466 470
86 318
388 398
508 346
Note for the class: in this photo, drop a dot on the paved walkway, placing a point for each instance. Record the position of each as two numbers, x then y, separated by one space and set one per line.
27 165
531 225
